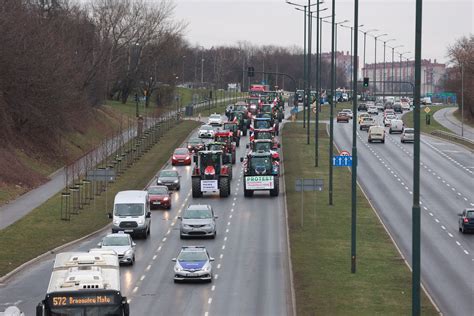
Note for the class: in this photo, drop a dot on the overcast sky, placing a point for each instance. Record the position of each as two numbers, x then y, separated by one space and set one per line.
225 22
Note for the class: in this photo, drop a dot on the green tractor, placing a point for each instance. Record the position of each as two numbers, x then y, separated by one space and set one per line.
261 173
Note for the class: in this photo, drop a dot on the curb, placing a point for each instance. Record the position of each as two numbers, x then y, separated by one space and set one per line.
19 269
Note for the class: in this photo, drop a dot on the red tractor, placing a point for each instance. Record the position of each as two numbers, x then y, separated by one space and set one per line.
210 174
227 137
265 134
234 128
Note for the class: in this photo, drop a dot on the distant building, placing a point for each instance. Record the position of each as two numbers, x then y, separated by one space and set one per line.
343 61
432 76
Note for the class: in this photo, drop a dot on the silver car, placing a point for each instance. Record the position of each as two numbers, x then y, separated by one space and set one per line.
206 131
408 135
122 244
198 220
194 264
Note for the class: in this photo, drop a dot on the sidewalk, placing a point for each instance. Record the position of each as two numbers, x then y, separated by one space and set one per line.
446 118
16 209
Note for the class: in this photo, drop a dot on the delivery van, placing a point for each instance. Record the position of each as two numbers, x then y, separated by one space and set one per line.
131 213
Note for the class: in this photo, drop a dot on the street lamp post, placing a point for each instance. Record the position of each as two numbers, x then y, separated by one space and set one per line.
331 101
462 99
375 62
400 74
352 35
202 71
365 40
393 61
182 70
335 43
384 67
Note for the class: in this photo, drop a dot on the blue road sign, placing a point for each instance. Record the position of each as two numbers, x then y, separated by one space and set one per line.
342 161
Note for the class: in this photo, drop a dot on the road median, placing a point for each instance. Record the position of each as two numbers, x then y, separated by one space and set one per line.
320 249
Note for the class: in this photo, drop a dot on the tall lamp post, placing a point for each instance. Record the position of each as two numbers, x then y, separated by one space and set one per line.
365 40
393 62
385 66
335 56
352 40
375 61
400 74
331 101
202 71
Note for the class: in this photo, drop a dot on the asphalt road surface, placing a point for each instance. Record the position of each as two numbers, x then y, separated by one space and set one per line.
385 172
446 118
251 271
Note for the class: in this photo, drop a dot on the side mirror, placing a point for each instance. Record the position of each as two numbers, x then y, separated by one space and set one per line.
211 259
174 259
109 215
180 217
247 146
99 245
459 214
126 308
241 159
195 159
279 145
133 244
148 215
216 217
39 309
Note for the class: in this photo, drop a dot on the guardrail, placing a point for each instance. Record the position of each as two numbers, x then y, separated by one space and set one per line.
453 136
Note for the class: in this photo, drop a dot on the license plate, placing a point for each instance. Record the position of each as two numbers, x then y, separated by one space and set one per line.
191 274
156 203
128 230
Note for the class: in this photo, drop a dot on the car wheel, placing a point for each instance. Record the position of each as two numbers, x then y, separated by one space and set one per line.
214 236
181 236
459 228
463 230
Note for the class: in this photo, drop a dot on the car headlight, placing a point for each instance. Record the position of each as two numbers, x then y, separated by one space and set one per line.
177 268
129 252
207 268
140 222
159 181
176 181
186 226
116 222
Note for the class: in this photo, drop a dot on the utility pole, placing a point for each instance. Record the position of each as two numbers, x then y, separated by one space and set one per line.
331 101
308 76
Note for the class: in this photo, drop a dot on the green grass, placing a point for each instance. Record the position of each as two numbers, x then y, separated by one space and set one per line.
434 125
468 121
42 230
320 251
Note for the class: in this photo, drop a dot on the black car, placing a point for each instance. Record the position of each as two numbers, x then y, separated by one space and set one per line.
170 178
195 144
466 220
362 107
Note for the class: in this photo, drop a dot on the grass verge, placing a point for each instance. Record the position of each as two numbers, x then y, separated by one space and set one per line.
320 251
434 125
467 120
42 230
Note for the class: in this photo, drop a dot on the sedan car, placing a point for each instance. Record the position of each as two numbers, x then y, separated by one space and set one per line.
373 110
466 220
206 131
388 119
181 156
348 111
195 145
361 117
122 244
366 123
408 135
362 107
194 264
342 117
198 220
170 178
159 196
215 119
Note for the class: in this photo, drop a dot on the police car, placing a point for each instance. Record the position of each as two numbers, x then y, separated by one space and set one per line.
193 263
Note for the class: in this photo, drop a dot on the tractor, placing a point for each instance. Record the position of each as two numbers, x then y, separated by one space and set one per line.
227 138
210 174
234 128
265 145
226 158
265 134
261 173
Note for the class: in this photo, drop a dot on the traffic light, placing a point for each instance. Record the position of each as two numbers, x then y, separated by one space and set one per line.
366 81
251 71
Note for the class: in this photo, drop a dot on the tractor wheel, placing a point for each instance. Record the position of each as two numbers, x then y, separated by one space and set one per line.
233 158
196 186
276 187
244 130
224 187
230 172
248 193
237 143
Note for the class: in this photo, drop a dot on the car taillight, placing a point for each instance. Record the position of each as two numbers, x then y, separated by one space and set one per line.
466 220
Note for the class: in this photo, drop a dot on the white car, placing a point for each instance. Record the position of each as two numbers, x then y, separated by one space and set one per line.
193 263
408 135
376 133
215 119
396 126
366 123
122 244
373 110
388 119
405 105
206 131
348 112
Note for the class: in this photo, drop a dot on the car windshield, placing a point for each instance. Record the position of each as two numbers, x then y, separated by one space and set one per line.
258 163
262 124
214 147
192 256
470 214
129 209
116 241
206 128
367 119
168 173
158 190
409 131
181 151
197 214
263 146
231 127
222 139
215 116
263 135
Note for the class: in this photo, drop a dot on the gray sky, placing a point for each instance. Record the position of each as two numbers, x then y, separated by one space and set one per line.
225 22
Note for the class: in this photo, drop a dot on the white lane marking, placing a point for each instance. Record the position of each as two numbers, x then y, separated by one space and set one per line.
221 256
228 223
235 199
444 228
230 216
206 314
159 248
172 224
135 289
406 187
213 288
209 301
472 204
465 199
465 251
450 235
453 189
168 232
142 278
436 220
219 266
154 257
431 214
231 209
233 204
216 276
227 230
448 184
223 247
425 208
410 192
225 238
458 243
164 239
148 267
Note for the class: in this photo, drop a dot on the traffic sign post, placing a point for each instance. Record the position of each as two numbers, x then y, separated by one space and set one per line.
342 161
302 185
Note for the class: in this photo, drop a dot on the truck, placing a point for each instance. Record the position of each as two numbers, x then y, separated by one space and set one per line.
84 283
261 173
210 174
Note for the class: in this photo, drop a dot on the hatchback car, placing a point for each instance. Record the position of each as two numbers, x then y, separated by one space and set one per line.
206 131
408 135
362 107
376 133
193 264
195 144
373 110
388 119
159 196
215 119
170 178
198 220
122 244
342 117
466 220
348 111
366 123
181 156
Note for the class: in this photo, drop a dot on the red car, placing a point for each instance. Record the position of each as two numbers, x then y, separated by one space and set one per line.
159 196
181 156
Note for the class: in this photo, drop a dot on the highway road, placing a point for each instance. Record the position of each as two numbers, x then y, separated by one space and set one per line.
251 271
447 182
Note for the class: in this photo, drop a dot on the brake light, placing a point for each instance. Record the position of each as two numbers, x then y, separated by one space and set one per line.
466 220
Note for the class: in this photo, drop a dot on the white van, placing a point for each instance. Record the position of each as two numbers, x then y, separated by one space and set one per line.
396 126
376 133
131 213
